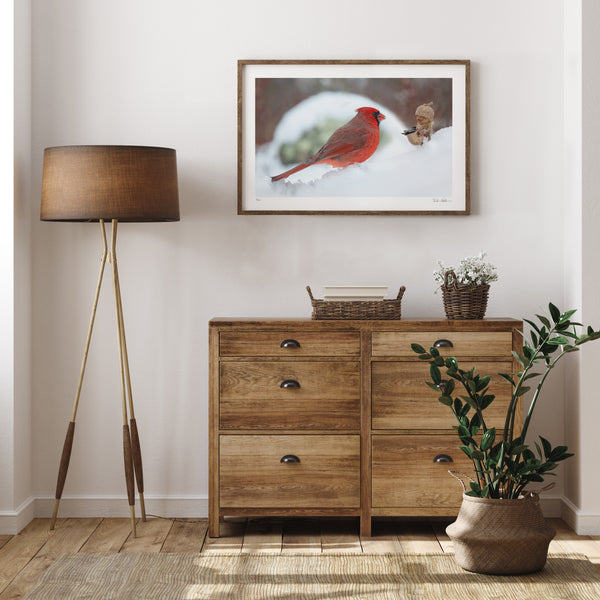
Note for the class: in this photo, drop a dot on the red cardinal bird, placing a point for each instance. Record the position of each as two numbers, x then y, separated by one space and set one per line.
352 143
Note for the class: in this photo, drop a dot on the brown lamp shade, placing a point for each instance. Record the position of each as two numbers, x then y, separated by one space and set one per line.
127 183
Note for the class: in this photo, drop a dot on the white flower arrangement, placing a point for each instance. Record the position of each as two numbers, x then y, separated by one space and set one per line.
472 270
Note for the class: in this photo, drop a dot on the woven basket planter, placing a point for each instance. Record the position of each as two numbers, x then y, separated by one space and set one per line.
501 537
463 301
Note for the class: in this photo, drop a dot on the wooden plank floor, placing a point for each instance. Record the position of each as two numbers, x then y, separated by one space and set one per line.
24 557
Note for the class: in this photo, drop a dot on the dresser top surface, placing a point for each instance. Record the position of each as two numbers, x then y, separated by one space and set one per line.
413 324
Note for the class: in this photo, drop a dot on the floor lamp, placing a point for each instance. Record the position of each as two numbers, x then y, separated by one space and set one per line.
99 184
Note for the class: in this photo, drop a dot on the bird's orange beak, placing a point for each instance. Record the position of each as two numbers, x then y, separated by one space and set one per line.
380 117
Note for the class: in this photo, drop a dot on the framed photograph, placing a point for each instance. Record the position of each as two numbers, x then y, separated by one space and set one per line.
353 137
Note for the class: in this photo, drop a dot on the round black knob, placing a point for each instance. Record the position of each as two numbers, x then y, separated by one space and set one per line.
289 458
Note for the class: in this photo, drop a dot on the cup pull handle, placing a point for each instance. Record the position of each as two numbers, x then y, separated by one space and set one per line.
290 344
443 344
443 458
289 383
289 458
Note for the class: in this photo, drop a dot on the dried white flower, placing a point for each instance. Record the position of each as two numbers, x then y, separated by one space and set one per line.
472 270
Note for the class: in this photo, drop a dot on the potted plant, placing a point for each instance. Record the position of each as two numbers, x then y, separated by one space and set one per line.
500 527
465 288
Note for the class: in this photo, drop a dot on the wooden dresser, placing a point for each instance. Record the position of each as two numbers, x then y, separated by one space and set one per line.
333 418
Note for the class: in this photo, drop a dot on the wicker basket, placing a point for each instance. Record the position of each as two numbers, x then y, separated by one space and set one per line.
356 309
463 301
500 537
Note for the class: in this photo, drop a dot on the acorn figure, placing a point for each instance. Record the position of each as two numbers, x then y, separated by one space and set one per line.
424 127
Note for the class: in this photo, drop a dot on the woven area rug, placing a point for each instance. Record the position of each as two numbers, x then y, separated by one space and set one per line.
304 577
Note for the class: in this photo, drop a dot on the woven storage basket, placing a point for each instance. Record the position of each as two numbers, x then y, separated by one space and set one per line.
356 309
463 301
501 537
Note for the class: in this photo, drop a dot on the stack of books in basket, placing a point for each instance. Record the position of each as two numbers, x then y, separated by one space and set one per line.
354 292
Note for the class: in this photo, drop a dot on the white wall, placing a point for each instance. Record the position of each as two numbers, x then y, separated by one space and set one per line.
23 209
585 493
146 72
6 260
16 505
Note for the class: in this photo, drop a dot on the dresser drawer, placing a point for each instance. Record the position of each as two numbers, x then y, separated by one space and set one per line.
449 343
289 343
253 476
402 400
406 474
289 395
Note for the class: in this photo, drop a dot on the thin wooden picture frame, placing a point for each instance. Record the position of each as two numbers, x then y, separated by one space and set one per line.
416 156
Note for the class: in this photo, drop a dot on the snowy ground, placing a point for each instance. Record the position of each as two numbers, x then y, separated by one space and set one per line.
397 169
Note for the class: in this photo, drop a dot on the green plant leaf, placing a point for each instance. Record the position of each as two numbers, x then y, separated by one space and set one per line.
467 451
418 349
463 431
554 312
487 441
487 400
457 406
507 377
547 446
477 454
472 402
436 376
528 455
451 363
518 449
483 382
558 341
539 450
567 315
530 375
545 321
522 390
449 387
475 487
528 352
499 457
522 360
446 400
533 325
548 348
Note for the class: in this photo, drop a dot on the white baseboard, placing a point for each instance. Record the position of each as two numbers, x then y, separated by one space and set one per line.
11 522
580 522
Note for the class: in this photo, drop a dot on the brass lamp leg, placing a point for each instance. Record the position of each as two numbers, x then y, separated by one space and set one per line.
135 438
127 453
68 444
